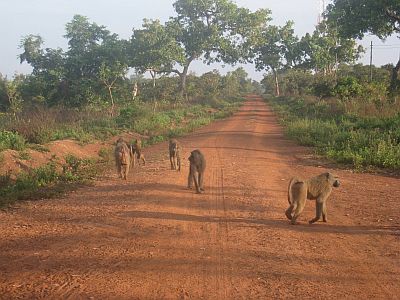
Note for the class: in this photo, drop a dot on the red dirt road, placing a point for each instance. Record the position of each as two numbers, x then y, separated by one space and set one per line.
151 238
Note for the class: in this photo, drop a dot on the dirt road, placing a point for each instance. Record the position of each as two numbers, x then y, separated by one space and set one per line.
151 238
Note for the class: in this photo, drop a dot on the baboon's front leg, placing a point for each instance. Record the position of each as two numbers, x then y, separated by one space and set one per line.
324 213
201 177
318 211
178 162
196 182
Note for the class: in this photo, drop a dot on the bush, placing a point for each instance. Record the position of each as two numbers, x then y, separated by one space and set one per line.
347 87
11 140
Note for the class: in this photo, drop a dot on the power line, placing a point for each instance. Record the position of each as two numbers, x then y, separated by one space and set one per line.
392 45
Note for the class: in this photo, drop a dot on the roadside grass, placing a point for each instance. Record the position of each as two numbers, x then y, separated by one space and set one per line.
49 180
362 142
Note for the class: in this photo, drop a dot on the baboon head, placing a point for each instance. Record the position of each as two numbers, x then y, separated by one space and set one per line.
333 180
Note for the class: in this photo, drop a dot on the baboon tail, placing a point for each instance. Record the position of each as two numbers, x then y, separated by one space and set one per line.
292 182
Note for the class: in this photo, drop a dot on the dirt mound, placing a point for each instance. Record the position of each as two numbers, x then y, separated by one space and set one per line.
14 162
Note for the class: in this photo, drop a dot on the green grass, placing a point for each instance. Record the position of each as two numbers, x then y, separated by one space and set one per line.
47 181
362 142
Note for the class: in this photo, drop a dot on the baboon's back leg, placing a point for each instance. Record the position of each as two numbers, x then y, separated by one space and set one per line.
289 211
318 211
190 177
298 210
119 170
143 159
125 169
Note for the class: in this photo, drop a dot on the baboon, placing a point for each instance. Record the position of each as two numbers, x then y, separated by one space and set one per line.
123 156
136 148
316 188
197 165
174 157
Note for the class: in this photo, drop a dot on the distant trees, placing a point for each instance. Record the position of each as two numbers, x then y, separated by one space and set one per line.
92 71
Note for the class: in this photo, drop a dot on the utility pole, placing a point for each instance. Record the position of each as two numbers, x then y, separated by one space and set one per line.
370 65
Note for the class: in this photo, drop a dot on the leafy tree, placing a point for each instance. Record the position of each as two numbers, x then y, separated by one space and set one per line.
12 92
48 70
214 31
324 50
154 49
358 17
278 50
109 74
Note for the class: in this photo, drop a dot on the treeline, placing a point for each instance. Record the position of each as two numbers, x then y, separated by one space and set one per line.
100 69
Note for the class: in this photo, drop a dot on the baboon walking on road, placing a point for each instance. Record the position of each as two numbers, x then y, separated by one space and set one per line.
316 188
174 154
123 156
197 166
136 148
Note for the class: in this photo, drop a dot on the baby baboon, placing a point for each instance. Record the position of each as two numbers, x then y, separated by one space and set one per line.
316 188
197 165
174 157
136 148
123 156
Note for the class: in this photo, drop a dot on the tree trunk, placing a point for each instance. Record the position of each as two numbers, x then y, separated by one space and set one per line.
112 101
154 75
183 77
277 90
394 79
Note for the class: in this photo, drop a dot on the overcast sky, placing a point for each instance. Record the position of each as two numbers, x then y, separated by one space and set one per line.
47 18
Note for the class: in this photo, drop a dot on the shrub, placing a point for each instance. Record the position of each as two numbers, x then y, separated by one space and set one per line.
11 140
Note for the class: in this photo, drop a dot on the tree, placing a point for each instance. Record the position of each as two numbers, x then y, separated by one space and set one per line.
48 69
214 31
325 50
11 90
154 50
277 50
358 17
109 74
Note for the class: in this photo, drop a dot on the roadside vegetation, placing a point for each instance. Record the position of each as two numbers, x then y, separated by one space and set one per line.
354 122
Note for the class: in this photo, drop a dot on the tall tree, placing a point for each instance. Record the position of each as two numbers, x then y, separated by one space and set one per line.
214 31
358 17
153 49
324 50
277 50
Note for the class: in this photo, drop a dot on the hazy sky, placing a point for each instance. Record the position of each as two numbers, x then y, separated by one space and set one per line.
48 18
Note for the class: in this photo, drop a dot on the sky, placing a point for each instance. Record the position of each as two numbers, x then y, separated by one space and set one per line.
48 18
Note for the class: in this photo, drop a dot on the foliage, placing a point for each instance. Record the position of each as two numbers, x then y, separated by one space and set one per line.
362 142
45 181
356 18
347 87
11 140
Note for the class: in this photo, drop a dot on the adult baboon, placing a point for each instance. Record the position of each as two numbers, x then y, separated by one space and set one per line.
123 156
136 148
197 166
316 188
174 154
